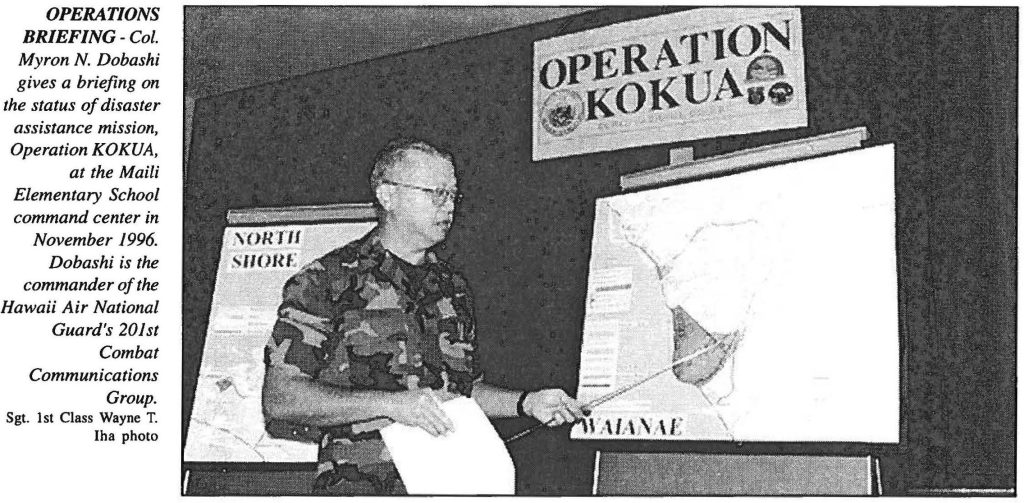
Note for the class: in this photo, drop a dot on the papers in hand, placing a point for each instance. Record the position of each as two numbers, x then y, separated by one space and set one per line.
470 460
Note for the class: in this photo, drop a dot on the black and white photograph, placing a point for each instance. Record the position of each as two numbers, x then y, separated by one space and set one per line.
599 251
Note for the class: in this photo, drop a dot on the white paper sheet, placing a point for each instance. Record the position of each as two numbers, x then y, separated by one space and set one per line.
794 265
470 460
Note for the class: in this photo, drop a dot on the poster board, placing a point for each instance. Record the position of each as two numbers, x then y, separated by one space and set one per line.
261 249
788 271
669 78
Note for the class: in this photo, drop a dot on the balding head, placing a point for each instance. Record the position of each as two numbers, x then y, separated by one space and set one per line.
389 160
416 191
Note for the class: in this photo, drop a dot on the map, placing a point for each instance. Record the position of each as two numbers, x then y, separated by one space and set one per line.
227 415
781 281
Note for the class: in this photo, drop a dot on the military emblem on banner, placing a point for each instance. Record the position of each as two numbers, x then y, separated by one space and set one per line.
755 95
561 112
764 69
781 93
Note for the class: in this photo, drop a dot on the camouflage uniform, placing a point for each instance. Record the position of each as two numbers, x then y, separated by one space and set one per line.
360 318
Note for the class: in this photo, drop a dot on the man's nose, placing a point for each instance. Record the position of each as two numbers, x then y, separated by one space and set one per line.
449 204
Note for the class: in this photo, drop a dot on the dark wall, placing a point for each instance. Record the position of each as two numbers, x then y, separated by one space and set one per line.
939 83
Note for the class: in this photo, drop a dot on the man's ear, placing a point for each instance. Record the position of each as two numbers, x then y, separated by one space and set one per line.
384 194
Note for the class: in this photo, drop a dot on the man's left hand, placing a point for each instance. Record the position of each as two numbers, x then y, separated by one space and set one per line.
553 407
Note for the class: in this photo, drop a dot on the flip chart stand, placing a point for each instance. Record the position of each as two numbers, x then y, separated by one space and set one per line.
639 473
683 167
633 473
291 214
216 478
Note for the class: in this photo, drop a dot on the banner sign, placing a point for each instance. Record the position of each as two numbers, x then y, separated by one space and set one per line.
695 74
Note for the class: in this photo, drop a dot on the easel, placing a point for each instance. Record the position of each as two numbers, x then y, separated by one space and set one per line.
635 473
644 473
204 477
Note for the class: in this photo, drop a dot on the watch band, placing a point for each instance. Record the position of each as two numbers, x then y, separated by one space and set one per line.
519 404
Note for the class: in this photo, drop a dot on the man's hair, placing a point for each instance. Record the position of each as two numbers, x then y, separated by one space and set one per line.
396 151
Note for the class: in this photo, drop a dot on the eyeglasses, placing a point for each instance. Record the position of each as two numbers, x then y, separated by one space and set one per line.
438 196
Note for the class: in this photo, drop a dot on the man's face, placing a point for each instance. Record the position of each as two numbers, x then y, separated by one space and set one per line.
416 213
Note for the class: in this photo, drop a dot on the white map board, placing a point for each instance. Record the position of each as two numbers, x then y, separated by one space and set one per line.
227 417
789 271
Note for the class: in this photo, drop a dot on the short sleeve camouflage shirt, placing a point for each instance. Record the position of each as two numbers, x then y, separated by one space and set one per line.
360 318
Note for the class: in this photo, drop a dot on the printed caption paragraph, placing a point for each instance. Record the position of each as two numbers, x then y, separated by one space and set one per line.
82 181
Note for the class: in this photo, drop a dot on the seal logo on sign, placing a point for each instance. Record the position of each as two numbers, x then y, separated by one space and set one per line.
764 67
755 95
561 112
781 93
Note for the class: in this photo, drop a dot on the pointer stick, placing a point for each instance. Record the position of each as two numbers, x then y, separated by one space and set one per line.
607 397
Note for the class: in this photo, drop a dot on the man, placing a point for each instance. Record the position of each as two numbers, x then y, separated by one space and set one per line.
381 330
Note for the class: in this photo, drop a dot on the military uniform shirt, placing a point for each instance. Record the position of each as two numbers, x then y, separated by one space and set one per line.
360 318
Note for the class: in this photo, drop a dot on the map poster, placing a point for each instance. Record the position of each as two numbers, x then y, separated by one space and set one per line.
227 414
781 279
671 78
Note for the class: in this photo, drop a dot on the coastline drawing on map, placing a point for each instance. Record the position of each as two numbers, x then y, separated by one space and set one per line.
689 337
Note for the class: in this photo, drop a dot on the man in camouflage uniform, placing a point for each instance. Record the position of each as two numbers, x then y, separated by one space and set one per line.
381 330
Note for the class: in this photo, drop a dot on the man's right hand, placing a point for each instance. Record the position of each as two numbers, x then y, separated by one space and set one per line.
422 408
